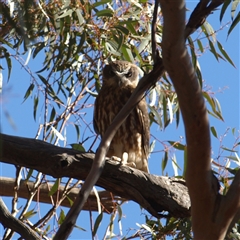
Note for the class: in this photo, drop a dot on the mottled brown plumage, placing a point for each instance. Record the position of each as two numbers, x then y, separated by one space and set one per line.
131 141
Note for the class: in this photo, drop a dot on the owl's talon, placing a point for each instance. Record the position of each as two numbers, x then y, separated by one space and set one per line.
117 159
124 160
131 164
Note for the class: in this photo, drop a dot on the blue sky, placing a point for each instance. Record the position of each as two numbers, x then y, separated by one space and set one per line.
221 76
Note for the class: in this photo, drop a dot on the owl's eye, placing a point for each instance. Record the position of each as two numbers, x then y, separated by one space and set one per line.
129 74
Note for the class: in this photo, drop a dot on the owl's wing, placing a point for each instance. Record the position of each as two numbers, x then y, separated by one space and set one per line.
144 125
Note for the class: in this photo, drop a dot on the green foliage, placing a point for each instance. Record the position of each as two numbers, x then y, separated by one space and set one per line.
74 39
172 228
78 147
235 19
97 223
61 217
214 132
5 54
29 214
54 187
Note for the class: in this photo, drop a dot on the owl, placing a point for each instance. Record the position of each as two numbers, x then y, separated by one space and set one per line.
130 144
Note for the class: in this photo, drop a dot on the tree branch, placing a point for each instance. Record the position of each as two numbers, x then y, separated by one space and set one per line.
107 199
211 212
179 67
16 225
229 210
153 33
154 193
199 15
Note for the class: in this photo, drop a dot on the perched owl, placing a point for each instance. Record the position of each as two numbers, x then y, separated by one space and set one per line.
131 141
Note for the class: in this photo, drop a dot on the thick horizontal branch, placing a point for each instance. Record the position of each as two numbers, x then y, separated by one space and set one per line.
154 193
26 187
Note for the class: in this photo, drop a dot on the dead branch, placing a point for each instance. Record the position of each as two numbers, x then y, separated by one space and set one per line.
107 199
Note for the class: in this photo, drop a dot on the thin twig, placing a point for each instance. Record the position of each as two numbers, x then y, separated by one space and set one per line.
199 15
9 232
154 27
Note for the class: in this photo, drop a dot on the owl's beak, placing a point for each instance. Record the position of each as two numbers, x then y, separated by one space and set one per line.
121 78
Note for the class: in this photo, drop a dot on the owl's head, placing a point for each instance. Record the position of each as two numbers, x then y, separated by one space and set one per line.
121 74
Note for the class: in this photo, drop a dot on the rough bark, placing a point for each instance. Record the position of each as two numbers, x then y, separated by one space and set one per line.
154 193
